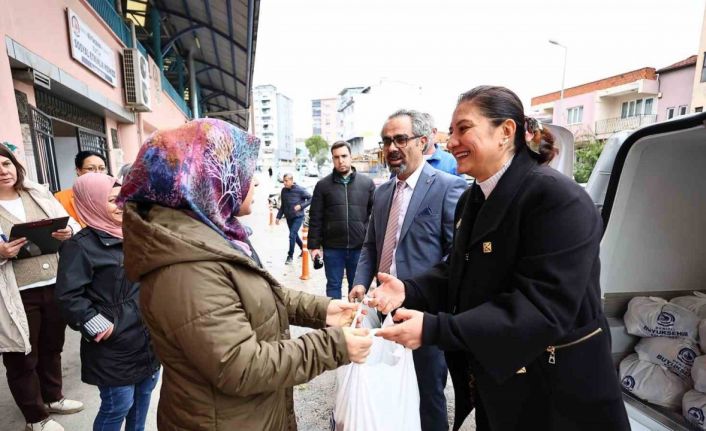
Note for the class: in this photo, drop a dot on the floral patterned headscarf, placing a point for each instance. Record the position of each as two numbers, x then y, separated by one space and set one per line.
205 167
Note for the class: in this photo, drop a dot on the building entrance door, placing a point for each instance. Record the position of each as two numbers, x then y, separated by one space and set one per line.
44 150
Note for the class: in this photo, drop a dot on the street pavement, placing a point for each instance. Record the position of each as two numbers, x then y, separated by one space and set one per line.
314 401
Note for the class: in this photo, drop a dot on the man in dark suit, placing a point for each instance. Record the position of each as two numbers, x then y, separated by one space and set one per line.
410 230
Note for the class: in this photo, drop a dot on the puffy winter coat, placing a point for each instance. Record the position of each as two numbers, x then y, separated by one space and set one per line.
92 280
220 325
340 211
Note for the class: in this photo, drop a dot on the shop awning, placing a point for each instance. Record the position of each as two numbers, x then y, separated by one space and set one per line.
222 35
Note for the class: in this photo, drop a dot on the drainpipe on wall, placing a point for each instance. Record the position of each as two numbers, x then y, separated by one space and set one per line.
138 115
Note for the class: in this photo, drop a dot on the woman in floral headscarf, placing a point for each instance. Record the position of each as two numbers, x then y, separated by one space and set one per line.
219 321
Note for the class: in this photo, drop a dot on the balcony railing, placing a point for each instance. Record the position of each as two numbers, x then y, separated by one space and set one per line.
105 9
612 125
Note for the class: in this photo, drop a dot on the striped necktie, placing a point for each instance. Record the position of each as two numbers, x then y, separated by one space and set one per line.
390 242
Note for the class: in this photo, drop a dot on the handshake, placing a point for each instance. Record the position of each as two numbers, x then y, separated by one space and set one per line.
358 340
387 297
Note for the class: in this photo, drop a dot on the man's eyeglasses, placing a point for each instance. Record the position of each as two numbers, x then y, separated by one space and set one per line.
399 140
94 169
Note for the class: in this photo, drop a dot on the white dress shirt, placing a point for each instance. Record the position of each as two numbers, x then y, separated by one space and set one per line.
488 185
408 190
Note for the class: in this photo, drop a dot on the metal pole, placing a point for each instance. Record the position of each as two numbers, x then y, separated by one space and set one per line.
156 28
193 91
563 78
180 74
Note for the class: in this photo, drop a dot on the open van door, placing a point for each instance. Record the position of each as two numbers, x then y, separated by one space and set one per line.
564 141
597 184
654 242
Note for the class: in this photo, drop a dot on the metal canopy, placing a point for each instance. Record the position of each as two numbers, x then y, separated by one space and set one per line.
222 35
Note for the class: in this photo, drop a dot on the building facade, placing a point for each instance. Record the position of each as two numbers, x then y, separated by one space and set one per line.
323 116
74 77
698 95
598 109
62 89
273 124
363 110
675 88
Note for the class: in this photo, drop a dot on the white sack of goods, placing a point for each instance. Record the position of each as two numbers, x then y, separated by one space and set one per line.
655 317
695 303
694 407
698 373
702 334
675 354
652 383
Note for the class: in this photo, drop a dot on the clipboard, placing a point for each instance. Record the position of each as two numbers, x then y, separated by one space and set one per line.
38 234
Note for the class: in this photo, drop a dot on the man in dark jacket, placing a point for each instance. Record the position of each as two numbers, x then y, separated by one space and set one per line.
292 203
338 217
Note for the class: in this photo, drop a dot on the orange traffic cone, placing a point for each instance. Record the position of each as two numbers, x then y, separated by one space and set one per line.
305 254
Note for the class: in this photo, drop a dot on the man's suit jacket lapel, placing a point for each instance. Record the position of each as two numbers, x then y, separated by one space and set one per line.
426 179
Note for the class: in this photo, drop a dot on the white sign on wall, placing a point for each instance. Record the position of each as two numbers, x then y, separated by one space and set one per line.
89 50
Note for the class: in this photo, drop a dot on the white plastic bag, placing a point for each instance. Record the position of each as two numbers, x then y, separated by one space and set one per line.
702 334
381 394
655 317
698 373
675 354
695 303
694 407
652 382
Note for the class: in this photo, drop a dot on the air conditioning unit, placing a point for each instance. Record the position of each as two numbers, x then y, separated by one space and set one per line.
137 80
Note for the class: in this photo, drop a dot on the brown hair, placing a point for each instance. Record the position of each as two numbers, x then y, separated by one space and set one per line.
339 144
20 182
542 139
498 104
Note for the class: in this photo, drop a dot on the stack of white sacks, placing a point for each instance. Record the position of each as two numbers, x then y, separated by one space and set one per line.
667 368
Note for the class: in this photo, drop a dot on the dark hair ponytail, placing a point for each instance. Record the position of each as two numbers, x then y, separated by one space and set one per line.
498 104
541 140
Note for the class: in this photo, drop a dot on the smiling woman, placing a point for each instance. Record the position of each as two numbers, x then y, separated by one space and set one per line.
516 306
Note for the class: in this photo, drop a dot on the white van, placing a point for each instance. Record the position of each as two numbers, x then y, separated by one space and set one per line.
654 242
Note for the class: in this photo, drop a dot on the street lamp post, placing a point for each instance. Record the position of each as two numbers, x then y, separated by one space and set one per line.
563 75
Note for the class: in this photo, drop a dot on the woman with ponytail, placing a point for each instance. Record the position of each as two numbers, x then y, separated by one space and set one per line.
516 306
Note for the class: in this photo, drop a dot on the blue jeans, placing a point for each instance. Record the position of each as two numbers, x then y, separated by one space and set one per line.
335 261
294 225
125 403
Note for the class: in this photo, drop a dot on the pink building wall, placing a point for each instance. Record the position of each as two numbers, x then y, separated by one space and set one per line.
40 26
560 114
676 87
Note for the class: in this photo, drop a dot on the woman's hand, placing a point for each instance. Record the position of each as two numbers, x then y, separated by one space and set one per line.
9 250
63 234
104 335
358 343
409 332
389 294
340 313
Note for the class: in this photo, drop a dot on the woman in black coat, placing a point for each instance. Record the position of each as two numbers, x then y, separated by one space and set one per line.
516 306
100 302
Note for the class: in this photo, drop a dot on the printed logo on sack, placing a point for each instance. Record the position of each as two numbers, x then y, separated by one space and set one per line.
696 414
628 383
665 319
687 356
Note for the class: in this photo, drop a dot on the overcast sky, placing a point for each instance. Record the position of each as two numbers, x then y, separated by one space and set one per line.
314 48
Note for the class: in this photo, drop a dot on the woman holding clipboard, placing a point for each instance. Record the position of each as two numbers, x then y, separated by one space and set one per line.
31 326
